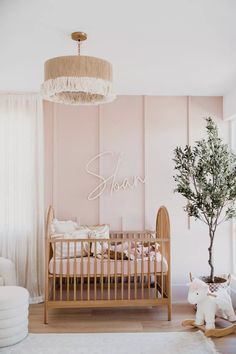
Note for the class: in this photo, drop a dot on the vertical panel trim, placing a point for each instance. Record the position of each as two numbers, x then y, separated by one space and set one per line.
144 165
188 119
55 160
232 222
188 137
99 160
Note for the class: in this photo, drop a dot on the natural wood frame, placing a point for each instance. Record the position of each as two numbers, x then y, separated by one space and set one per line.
214 332
162 280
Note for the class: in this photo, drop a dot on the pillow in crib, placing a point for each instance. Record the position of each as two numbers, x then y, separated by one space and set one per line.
99 232
81 232
63 227
75 248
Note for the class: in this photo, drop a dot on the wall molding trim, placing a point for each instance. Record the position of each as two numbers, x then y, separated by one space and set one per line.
99 163
229 105
54 158
145 164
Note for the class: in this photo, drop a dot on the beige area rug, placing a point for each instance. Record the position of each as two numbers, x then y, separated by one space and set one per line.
114 343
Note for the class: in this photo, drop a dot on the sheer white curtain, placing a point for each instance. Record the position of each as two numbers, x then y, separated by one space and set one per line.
22 189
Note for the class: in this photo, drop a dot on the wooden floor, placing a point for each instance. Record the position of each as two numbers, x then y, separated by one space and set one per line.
119 320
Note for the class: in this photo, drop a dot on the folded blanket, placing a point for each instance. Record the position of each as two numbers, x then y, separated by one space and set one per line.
137 251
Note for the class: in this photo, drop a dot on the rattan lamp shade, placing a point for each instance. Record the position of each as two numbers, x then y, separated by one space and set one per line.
78 80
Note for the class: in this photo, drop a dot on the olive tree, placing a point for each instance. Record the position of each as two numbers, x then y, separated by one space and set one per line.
206 177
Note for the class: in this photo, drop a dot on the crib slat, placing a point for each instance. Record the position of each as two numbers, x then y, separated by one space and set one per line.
68 271
102 270
54 271
95 270
142 272
162 282
82 271
122 271
129 250
165 288
135 270
88 273
149 269
61 270
115 270
109 272
155 270
75 245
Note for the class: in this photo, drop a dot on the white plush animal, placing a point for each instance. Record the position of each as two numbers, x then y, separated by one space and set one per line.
209 305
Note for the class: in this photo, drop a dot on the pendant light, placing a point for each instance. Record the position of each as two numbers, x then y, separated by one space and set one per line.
78 79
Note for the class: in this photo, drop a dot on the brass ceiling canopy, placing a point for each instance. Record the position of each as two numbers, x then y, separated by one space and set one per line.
77 79
79 36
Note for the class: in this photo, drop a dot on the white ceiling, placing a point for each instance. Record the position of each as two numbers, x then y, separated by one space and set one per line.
159 47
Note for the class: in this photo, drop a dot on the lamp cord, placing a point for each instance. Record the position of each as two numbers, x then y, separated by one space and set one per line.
79 42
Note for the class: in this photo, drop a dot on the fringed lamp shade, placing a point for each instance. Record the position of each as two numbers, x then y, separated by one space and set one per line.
78 80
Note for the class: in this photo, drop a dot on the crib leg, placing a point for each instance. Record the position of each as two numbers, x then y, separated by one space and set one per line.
45 313
169 311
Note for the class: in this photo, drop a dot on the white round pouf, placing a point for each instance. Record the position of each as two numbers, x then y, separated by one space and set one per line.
14 304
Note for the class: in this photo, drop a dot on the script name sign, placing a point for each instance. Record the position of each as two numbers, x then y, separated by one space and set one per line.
111 182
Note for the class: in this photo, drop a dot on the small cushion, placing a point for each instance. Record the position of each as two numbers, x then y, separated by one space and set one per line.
61 249
98 232
83 232
13 296
63 227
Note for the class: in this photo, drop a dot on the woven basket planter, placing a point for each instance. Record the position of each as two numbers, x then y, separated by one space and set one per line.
222 282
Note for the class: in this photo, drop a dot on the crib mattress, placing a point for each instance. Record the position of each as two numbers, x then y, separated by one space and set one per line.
90 266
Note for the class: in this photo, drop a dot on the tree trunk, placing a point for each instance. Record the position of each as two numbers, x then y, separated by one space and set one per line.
211 234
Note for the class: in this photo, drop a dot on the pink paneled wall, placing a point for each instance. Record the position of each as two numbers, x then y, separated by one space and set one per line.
142 131
122 131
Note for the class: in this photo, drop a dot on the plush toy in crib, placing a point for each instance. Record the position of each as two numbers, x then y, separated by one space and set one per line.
209 304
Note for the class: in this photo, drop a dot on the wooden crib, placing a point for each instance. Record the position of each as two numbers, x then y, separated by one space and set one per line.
110 280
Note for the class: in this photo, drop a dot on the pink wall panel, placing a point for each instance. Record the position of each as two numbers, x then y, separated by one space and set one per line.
166 127
121 132
202 107
48 145
75 141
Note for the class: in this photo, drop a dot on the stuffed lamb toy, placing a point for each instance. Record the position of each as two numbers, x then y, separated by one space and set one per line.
210 305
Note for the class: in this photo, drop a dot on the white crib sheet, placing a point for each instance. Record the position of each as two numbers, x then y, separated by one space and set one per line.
85 267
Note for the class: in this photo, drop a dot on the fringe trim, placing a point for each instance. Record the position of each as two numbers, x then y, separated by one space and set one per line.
93 90
209 342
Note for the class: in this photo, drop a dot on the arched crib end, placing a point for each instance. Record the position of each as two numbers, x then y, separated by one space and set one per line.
163 223
49 219
163 236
